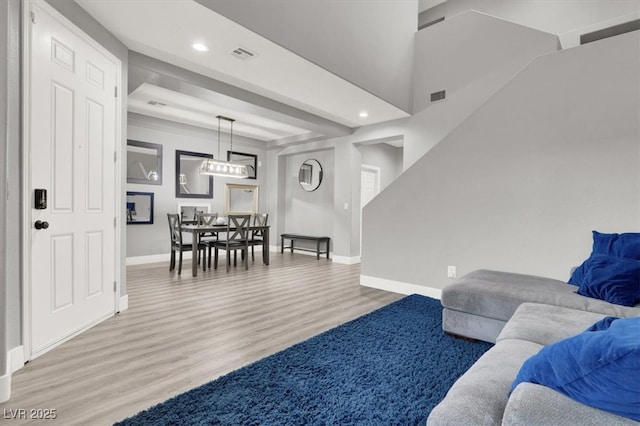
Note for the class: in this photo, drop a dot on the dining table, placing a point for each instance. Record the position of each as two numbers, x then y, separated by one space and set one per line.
196 230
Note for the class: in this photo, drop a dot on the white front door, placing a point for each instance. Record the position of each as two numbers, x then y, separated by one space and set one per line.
369 184
369 188
71 137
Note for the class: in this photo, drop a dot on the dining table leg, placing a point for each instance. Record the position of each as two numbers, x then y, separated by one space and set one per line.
194 253
265 247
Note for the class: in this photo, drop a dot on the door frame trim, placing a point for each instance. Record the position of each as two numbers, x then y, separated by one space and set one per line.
26 170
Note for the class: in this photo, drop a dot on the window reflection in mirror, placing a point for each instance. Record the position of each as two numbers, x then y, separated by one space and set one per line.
189 182
310 175
139 208
144 163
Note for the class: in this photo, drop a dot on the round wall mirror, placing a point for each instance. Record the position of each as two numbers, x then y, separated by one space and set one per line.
310 175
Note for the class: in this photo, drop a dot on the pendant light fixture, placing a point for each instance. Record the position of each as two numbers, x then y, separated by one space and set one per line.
219 167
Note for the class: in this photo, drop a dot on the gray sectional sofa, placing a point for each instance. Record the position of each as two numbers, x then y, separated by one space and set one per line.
521 314
479 304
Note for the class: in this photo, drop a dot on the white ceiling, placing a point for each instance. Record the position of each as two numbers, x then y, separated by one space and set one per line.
158 102
166 30
428 4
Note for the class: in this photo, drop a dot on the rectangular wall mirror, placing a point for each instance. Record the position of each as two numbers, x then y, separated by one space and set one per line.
144 162
189 182
189 211
139 208
240 199
249 160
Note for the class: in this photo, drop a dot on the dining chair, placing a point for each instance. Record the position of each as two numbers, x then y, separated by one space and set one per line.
237 239
257 236
177 245
206 238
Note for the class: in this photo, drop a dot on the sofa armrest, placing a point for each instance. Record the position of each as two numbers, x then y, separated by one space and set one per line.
532 404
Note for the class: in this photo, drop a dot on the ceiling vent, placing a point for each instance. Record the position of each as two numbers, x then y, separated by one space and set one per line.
156 103
438 96
243 53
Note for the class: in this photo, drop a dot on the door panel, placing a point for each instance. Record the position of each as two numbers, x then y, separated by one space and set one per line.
72 128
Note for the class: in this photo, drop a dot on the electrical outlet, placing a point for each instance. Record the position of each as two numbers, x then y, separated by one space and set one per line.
451 271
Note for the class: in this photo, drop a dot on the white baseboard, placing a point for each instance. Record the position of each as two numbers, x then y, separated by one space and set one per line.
153 258
5 387
399 287
165 257
15 359
346 260
123 304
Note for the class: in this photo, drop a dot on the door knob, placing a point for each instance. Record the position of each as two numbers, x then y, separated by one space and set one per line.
41 224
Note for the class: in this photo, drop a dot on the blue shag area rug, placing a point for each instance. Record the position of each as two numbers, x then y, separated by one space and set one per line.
389 367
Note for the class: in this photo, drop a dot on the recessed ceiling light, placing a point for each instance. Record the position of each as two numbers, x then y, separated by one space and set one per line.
200 47
364 114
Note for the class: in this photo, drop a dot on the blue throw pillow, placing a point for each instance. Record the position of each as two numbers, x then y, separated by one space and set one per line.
620 245
614 279
578 274
603 324
597 368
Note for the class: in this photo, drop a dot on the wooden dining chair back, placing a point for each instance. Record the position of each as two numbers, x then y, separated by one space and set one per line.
177 244
237 239
208 219
206 238
257 236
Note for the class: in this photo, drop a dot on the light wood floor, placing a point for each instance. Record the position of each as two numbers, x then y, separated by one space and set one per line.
181 332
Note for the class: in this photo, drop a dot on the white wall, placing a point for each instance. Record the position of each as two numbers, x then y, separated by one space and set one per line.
522 182
147 240
309 213
386 157
349 38
555 17
470 56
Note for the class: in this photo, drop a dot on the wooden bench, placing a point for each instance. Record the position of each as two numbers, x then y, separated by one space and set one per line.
294 237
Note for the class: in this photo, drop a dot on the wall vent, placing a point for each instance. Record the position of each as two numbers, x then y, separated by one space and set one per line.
626 27
243 53
156 103
438 96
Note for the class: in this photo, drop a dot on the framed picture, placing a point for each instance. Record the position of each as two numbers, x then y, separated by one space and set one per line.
139 208
189 182
144 162
249 160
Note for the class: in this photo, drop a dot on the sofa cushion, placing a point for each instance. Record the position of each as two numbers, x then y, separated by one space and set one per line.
597 368
480 395
610 278
495 294
531 404
546 324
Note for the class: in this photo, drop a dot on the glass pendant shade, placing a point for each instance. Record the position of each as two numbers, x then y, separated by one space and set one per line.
214 167
217 167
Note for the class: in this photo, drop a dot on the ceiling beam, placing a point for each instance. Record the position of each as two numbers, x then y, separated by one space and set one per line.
144 68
